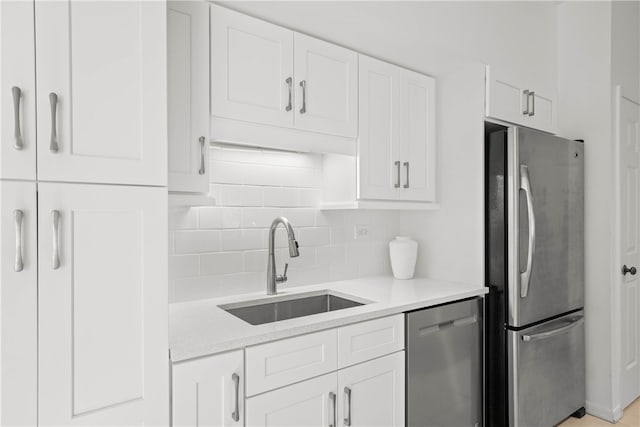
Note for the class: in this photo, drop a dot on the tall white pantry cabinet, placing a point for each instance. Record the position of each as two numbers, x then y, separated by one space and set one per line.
83 199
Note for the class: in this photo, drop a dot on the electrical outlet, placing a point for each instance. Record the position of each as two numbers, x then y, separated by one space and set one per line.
361 232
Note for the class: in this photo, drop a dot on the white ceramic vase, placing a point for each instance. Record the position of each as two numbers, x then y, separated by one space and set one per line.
403 252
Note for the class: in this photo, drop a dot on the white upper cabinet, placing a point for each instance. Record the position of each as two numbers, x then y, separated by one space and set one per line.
17 91
188 95
19 303
251 69
396 141
327 87
101 78
514 101
265 74
102 304
209 391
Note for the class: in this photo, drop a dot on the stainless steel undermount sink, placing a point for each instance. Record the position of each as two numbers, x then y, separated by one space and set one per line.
268 310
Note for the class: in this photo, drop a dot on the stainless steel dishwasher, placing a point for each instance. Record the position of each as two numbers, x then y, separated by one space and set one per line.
444 365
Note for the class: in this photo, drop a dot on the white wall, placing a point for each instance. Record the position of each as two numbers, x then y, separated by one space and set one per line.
222 250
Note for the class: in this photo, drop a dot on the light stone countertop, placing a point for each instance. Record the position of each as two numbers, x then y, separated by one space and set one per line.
201 328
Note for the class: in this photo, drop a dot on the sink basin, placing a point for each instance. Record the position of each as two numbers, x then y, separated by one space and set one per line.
258 312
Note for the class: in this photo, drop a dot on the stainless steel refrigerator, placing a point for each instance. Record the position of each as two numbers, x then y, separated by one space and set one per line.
534 317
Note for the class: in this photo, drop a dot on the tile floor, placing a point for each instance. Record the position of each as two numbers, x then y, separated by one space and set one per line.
631 418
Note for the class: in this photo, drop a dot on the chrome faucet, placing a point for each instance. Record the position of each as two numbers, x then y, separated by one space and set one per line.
272 277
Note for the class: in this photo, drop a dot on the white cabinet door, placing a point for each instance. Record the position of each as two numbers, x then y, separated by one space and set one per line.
326 87
209 391
378 149
417 143
513 101
102 111
17 91
372 393
19 304
102 297
188 95
251 69
310 403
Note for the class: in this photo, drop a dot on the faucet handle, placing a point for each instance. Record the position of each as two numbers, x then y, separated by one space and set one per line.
283 278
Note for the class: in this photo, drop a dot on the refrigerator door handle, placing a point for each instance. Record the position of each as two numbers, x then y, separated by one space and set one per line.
525 185
577 321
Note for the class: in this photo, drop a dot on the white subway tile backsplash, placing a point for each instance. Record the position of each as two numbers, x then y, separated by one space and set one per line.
222 250
220 263
197 241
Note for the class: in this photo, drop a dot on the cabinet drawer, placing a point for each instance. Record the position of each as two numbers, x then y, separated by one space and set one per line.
367 340
279 363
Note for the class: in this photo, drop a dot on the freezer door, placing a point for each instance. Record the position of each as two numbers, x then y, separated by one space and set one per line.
545 221
546 372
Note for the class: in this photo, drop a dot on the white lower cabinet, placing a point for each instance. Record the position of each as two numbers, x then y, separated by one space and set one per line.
209 391
308 403
372 393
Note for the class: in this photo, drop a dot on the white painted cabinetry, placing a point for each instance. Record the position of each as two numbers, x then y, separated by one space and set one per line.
372 393
516 102
102 301
209 391
262 73
188 95
19 303
17 91
101 78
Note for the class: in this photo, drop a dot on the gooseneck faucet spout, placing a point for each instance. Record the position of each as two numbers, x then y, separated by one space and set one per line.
272 277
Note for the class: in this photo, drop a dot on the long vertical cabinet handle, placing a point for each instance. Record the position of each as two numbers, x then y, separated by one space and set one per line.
334 417
53 101
397 166
19 215
17 135
406 165
55 257
303 85
202 140
236 384
289 82
525 93
532 94
525 185
347 416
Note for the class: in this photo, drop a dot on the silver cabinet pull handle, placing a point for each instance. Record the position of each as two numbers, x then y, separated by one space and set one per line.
55 257
397 166
53 101
334 417
236 384
347 417
406 165
289 82
202 141
532 94
303 85
18 266
525 185
525 93
17 135
577 321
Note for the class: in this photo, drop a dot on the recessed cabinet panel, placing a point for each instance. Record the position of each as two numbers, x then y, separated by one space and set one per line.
19 299
101 93
209 391
101 304
308 403
17 91
251 61
418 141
188 95
326 87
379 134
